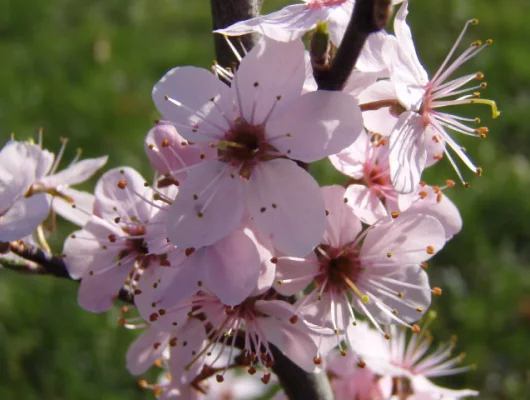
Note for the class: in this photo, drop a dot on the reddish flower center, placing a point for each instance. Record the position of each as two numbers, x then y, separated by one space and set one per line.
341 269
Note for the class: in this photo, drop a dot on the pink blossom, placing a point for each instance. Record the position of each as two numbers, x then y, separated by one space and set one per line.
419 102
117 242
376 271
411 363
258 126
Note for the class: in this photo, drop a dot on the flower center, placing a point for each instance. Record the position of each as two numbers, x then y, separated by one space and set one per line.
341 269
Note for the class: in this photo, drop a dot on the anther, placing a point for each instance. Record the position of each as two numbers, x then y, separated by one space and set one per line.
423 194
387 336
200 214
153 317
450 183
165 143
474 21
430 250
467 185
415 329
251 370
345 200
122 184
274 260
419 309
394 214
189 251
266 378
479 76
317 360
436 291
293 319
112 238
489 42
361 364
484 85
479 171
389 255
219 378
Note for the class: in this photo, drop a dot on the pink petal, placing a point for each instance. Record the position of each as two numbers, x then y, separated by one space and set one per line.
300 269
286 25
337 20
98 291
343 225
209 206
232 267
422 385
191 338
350 161
287 206
197 102
410 238
264 87
379 121
24 217
294 342
83 202
276 308
143 352
168 151
404 37
407 153
365 204
371 59
77 173
317 125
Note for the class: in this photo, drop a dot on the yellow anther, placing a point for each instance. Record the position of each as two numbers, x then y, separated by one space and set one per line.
476 95
477 43
479 76
478 120
394 214
436 291
430 250
489 42
484 85
415 329
479 171
474 21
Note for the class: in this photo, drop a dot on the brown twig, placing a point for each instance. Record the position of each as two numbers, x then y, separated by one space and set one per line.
368 16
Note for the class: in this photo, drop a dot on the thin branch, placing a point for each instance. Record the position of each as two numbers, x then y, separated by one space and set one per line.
368 16
226 13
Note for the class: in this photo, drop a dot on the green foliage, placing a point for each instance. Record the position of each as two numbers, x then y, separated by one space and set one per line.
84 69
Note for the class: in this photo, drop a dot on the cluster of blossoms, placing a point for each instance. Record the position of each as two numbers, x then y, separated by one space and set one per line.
234 254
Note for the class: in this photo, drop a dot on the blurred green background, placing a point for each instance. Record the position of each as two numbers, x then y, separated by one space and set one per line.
84 69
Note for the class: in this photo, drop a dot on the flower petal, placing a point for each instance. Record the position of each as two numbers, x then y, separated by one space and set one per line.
343 225
79 210
365 204
196 101
407 153
317 125
209 206
379 121
263 86
77 173
143 352
287 206
24 217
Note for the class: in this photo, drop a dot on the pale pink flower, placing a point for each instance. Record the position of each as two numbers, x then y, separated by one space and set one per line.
259 125
118 241
412 363
420 100
376 271
257 322
292 22
19 214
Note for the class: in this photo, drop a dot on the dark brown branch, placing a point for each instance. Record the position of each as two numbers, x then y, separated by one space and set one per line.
226 13
368 16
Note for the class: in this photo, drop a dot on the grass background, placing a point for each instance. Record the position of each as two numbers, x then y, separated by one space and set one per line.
84 69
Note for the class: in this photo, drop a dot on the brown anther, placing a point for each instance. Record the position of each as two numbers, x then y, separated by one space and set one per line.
219 378
165 143
251 370
423 183
345 200
424 265
439 197
153 317
122 321
199 283
263 209
155 285
450 183
293 319
430 250
419 309
479 171
266 378
165 263
202 156
467 185
117 220
200 214
423 194
415 329
389 255
436 139
189 251
173 342
400 295
124 309
195 197
156 345
317 360
361 364
387 336
166 97
436 189
158 363
484 85
122 184
343 353
394 214
112 238
143 383
151 146
137 292
327 213
274 260
394 311
436 291
161 311
438 156
479 76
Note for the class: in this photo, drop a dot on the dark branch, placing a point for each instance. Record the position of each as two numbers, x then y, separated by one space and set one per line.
368 16
226 13
297 383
